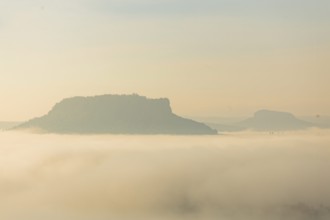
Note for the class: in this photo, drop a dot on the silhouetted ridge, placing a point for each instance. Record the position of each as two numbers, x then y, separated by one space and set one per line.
118 114
266 120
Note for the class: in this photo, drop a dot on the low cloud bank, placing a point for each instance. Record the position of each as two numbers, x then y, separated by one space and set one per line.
244 176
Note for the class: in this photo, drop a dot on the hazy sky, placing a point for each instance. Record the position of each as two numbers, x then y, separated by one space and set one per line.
210 57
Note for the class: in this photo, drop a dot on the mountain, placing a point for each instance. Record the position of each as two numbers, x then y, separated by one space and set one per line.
115 114
266 120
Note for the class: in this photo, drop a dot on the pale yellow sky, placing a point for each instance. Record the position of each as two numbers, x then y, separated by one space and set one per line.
211 59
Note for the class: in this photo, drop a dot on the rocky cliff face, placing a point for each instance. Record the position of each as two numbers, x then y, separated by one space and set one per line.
117 114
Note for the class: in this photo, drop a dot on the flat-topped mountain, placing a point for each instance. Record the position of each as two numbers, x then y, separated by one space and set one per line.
115 114
266 120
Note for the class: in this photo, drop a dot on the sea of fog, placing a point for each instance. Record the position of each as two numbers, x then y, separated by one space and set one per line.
238 176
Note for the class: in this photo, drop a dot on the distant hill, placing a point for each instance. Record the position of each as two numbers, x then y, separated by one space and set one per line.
322 121
115 114
266 120
225 127
221 124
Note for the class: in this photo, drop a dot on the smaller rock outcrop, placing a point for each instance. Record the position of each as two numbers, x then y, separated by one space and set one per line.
267 120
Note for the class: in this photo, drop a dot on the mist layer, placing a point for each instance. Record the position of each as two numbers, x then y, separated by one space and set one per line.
246 176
